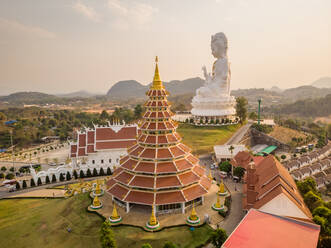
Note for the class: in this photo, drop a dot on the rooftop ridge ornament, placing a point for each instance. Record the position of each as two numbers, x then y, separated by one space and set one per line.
157 83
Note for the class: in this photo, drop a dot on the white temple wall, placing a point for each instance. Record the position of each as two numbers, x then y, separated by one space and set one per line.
107 158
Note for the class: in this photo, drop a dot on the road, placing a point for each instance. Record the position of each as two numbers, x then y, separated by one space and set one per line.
235 139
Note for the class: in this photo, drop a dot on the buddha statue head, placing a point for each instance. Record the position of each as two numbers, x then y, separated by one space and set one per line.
219 45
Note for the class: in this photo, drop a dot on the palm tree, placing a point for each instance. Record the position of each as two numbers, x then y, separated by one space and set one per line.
231 148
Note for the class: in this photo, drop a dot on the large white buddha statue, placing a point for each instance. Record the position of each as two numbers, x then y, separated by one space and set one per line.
213 98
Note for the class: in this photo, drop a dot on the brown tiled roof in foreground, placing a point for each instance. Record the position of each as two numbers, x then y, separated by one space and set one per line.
147 167
140 197
194 192
169 197
142 181
167 182
118 191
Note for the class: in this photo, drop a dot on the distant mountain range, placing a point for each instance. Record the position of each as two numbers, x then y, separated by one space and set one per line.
134 89
324 82
82 93
181 92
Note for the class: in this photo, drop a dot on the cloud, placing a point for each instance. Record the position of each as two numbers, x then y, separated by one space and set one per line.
132 13
13 28
86 11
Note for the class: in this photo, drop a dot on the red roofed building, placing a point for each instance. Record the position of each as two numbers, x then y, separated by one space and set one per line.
270 188
159 171
102 146
263 230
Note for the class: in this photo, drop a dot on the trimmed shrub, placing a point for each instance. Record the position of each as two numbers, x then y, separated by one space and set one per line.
24 184
88 173
95 173
102 172
47 180
32 183
75 174
53 179
109 171
10 176
81 174
39 181
68 176
18 186
61 177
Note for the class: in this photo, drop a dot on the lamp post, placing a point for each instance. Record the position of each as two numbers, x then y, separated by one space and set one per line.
259 111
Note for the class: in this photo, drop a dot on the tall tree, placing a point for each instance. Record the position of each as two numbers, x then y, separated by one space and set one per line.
218 237
53 179
104 115
107 236
138 111
241 108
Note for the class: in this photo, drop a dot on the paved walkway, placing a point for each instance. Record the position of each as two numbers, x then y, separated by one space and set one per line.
235 139
56 193
236 213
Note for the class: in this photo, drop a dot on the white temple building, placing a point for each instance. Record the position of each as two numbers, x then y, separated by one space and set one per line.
95 148
102 146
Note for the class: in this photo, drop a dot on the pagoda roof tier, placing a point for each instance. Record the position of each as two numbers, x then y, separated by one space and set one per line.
158 126
160 139
158 114
157 103
140 196
158 92
144 152
154 182
169 197
194 192
160 167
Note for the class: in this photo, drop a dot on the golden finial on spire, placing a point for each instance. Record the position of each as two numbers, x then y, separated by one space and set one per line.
152 219
210 176
218 202
221 189
194 215
157 83
114 215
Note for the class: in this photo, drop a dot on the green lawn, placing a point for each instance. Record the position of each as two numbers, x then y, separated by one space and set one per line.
38 223
202 139
182 236
43 222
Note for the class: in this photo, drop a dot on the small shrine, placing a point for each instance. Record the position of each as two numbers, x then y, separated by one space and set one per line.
96 203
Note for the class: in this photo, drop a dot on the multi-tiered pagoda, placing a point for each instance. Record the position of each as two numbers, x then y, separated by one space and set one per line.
158 171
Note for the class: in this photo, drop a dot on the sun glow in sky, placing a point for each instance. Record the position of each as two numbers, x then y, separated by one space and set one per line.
69 45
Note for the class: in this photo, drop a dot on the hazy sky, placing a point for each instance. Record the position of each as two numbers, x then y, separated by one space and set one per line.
58 46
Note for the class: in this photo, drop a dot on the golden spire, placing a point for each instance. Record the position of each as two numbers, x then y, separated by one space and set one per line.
152 219
97 189
218 202
96 202
221 189
157 83
193 215
210 176
114 215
